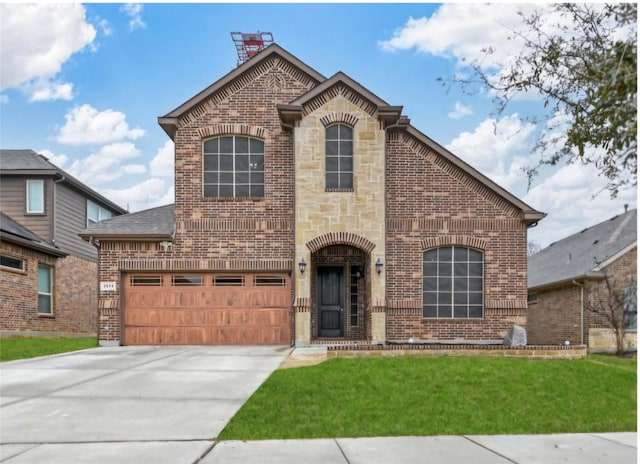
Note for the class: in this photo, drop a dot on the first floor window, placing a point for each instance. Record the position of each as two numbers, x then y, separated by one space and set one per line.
631 306
45 290
233 167
35 196
11 262
452 282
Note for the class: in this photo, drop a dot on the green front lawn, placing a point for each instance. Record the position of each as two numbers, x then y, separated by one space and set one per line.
20 348
401 396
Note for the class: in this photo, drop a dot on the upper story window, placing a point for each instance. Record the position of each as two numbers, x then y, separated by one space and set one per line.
35 196
96 213
452 282
339 157
233 167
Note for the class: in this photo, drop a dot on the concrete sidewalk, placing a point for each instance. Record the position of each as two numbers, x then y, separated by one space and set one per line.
605 448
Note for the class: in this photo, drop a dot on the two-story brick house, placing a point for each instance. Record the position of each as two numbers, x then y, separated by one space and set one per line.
309 210
48 274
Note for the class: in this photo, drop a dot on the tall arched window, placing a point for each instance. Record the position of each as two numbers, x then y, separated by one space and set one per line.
339 157
452 282
233 167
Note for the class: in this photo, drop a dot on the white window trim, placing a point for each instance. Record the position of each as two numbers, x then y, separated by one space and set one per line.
101 212
50 294
28 202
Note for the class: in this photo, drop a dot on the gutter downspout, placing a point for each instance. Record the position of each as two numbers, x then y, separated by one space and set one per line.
574 282
53 209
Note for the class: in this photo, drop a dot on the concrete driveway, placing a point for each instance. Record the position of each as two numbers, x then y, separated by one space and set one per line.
126 404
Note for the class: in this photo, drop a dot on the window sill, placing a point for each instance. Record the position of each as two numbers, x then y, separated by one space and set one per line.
232 199
13 270
338 190
48 316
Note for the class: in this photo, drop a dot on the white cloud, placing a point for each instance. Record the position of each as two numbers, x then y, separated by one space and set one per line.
570 198
59 160
134 169
497 148
133 10
147 194
86 125
105 27
120 150
47 90
37 39
460 111
162 164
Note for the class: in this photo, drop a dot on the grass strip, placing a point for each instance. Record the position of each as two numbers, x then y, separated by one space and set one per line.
404 396
30 347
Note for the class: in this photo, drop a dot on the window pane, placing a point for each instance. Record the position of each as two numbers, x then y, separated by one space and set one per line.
211 162
242 163
475 284
460 311
226 144
257 177
444 297
44 279
210 191
460 269
257 191
332 164
226 162
475 298
430 311
226 177
35 196
346 148
475 311
444 284
475 255
460 254
345 132
44 304
225 191
332 132
444 311
242 177
430 285
346 164
14 263
92 212
242 191
444 269
431 255
332 180
210 177
429 269
257 162
475 269
242 145
460 298
460 284
444 254
331 148
211 146
430 298
257 146
346 180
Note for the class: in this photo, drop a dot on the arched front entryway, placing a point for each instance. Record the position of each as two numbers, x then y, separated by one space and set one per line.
340 294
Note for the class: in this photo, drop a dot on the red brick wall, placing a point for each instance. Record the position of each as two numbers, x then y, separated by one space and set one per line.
556 315
430 202
74 297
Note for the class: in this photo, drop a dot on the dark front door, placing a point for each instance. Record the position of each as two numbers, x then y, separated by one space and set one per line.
330 301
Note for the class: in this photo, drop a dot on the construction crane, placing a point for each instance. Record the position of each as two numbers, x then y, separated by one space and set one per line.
250 44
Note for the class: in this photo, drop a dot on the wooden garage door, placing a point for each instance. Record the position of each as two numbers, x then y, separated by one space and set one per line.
207 309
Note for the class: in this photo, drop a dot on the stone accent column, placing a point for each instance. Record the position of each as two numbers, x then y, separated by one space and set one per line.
302 308
378 323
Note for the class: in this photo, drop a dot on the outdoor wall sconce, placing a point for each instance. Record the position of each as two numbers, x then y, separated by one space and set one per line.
379 266
302 265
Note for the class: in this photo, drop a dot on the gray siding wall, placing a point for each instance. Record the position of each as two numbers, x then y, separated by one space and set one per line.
13 199
71 218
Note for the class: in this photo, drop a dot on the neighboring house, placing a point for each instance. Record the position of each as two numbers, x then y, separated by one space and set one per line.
569 275
308 210
48 274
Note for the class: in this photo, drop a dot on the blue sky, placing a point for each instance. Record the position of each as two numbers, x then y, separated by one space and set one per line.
84 84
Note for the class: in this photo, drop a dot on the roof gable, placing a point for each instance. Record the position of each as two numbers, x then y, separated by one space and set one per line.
14 232
169 122
584 253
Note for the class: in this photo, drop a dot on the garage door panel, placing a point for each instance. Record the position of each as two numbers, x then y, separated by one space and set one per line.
218 311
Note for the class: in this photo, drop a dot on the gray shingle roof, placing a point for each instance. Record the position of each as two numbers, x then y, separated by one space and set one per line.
14 232
579 254
28 162
152 223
